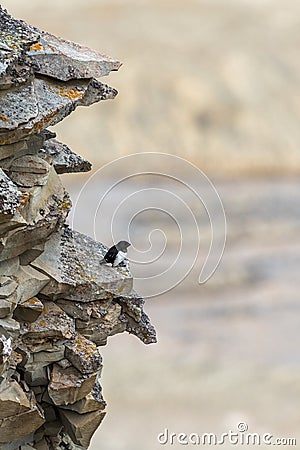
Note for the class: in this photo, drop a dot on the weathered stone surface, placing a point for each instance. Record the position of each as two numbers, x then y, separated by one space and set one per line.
31 254
45 54
7 151
16 427
97 329
9 266
19 414
69 385
9 197
138 322
52 428
101 319
6 308
5 349
72 261
17 107
66 60
46 345
16 38
29 310
9 327
27 146
15 74
10 302
91 402
49 360
53 323
54 99
30 282
14 360
25 447
50 200
66 442
41 445
83 354
50 414
36 376
16 223
62 158
64 363
80 310
13 399
29 164
4 280
22 444
81 427
18 241
49 356
25 179
44 211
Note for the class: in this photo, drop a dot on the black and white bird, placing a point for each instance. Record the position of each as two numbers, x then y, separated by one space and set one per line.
117 254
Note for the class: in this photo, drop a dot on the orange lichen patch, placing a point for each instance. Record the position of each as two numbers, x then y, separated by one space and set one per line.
65 205
42 323
52 48
3 118
37 47
33 301
71 94
24 200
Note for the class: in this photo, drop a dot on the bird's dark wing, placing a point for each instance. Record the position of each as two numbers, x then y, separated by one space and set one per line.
111 254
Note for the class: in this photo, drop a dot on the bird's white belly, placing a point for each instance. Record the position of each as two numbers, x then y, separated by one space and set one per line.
119 258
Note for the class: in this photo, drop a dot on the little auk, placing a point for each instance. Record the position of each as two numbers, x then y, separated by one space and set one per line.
116 254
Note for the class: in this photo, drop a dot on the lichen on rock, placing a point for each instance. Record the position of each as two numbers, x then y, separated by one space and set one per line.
58 305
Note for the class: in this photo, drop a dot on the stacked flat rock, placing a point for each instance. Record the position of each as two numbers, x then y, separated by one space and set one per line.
57 304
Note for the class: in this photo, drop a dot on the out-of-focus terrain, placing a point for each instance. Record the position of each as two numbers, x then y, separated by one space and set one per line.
216 82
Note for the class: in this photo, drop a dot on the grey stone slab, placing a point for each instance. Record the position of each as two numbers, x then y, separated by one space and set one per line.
66 60
69 385
53 323
15 39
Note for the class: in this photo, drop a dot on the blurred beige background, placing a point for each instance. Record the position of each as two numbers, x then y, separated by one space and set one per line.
216 82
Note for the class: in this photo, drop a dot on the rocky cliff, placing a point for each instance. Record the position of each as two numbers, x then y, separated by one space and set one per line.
57 304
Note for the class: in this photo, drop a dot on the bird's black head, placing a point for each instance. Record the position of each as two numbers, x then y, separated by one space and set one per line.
122 246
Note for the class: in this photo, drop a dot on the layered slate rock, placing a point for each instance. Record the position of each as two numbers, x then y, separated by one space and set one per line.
51 102
66 60
58 305
72 261
62 158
